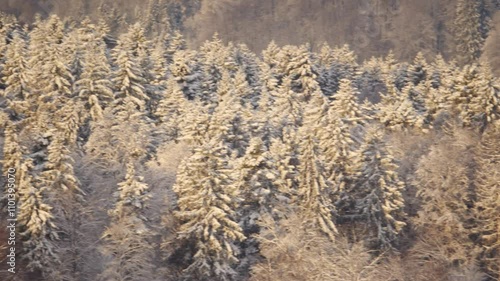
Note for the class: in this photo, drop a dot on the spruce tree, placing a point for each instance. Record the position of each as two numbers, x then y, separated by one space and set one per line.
95 88
378 189
468 35
16 78
171 111
36 223
313 186
487 207
345 103
207 201
127 248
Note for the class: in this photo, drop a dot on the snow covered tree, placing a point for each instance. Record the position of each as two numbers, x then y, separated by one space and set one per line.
95 88
196 131
171 110
132 194
159 67
129 78
468 36
475 96
188 73
257 181
250 71
313 186
445 217
128 249
417 72
229 119
16 79
485 105
36 223
12 152
287 113
174 42
58 174
396 110
337 146
55 82
378 189
296 63
345 103
487 206
207 201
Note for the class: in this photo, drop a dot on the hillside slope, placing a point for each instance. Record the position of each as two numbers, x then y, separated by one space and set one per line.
372 28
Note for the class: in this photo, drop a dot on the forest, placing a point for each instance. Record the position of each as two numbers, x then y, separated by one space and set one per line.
132 157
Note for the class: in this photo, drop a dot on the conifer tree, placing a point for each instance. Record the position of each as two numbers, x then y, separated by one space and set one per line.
95 88
16 78
159 65
12 151
485 105
296 63
188 73
229 119
127 247
288 109
314 187
345 103
129 78
171 110
396 110
337 146
257 180
174 42
487 206
250 72
207 200
37 228
467 31
417 72
378 189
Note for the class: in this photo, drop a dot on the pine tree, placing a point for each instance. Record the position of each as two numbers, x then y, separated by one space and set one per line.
256 180
467 31
250 73
314 187
417 72
196 131
288 109
207 200
129 78
36 225
132 194
337 146
174 42
16 79
345 103
488 193
171 110
296 63
485 105
128 247
12 152
378 189
95 88
396 110
229 119
188 73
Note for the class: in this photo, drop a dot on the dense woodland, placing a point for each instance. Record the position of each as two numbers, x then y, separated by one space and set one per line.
139 159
